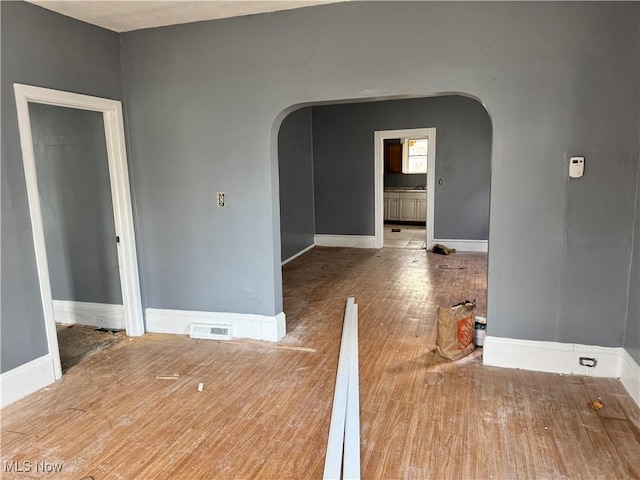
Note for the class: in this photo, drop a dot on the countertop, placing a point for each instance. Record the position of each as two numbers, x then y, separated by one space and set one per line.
405 189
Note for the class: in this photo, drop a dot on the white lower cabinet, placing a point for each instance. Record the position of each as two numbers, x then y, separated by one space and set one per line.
408 206
408 209
422 210
391 205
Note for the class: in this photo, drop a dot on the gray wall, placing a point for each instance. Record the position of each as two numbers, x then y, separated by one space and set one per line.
632 334
205 102
344 163
295 168
407 180
48 50
75 197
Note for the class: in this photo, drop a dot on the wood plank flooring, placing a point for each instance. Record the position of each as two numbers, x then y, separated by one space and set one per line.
265 411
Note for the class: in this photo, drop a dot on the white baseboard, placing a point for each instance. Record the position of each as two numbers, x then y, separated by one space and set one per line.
528 355
350 241
26 379
630 375
257 327
551 357
554 357
301 252
465 245
101 315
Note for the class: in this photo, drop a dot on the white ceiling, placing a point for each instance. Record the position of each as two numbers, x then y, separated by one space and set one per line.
124 16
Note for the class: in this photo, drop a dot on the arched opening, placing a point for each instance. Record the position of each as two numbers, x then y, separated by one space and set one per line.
333 177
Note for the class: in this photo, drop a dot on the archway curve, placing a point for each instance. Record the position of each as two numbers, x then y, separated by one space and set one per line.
275 160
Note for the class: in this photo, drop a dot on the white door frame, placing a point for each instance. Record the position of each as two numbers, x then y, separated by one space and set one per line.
123 217
379 137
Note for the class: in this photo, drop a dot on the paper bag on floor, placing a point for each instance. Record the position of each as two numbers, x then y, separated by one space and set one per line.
455 330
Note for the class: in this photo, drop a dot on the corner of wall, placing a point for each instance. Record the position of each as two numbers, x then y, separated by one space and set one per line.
313 179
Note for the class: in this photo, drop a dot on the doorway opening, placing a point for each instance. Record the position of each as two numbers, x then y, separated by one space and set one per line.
404 187
80 207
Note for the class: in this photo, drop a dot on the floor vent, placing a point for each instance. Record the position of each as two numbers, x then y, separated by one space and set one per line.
210 332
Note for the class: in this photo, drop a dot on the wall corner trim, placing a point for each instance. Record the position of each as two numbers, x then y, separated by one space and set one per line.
465 245
101 315
555 357
349 241
244 325
26 379
630 375
296 255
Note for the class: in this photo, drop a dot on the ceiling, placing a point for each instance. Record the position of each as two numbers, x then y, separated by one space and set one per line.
124 16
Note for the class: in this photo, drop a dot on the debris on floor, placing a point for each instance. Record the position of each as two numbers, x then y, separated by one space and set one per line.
455 327
108 330
200 386
447 267
396 230
596 405
175 376
443 250
480 331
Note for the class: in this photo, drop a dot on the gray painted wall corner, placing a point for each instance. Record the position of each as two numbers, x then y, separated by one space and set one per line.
295 164
632 331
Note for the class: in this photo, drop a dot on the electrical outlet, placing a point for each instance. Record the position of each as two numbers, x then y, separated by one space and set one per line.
221 199
588 362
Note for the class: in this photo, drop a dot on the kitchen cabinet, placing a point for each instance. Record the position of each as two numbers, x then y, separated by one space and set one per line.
422 209
391 205
393 157
405 206
408 209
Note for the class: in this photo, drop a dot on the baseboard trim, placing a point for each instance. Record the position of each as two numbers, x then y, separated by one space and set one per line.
465 245
257 327
551 357
554 357
26 379
301 252
101 315
349 241
630 375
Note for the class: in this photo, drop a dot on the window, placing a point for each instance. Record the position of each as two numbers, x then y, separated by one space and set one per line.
414 158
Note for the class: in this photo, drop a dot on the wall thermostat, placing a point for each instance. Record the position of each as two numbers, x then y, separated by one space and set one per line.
576 167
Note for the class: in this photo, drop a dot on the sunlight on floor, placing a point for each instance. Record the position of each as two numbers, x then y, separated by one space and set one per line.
409 236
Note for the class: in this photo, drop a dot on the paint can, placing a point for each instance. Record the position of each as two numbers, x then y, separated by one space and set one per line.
480 331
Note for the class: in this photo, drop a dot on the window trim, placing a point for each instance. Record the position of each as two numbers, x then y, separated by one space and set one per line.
405 156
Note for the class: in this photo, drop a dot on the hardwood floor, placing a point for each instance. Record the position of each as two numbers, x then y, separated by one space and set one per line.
265 408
